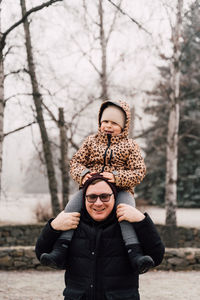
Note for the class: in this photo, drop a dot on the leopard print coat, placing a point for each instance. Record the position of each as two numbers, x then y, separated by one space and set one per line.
101 152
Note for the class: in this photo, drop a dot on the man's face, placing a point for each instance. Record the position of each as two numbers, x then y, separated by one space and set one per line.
99 210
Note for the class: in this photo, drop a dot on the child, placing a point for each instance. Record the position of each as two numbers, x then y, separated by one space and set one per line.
116 157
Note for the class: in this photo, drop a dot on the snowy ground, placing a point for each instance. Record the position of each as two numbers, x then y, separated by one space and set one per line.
20 209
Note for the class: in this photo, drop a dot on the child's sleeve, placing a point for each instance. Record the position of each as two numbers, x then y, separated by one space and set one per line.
135 169
79 162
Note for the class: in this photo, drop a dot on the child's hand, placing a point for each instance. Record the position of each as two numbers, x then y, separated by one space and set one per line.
128 213
109 176
86 177
65 221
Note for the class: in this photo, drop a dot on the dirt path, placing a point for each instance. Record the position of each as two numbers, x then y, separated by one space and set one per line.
35 285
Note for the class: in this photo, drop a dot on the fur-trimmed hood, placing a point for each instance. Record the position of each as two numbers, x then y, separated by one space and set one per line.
125 107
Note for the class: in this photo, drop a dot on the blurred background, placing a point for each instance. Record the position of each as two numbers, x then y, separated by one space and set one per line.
61 61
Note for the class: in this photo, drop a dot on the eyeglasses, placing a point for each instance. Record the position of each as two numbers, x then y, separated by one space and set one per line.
92 198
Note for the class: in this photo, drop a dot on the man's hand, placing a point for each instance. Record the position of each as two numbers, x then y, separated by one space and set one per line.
109 176
65 221
128 213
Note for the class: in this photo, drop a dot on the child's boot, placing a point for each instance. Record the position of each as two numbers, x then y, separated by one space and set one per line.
141 263
57 258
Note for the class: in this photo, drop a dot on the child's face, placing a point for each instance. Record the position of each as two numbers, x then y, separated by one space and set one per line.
110 127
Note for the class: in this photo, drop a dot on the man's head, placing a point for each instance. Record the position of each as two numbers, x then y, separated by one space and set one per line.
99 198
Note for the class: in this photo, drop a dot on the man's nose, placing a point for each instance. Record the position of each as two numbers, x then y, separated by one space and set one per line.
98 201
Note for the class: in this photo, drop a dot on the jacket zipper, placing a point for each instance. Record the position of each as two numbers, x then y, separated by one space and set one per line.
104 158
98 233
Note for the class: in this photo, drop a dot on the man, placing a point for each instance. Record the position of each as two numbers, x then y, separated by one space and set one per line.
97 265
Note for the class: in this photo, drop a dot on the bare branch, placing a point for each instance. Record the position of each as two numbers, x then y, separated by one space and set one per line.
89 15
16 95
167 7
74 145
91 100
8 51
86 55
16 72
40 154
116 64
144 133
113 23
18 129
28 13
67 126
126 14
194 137
50 113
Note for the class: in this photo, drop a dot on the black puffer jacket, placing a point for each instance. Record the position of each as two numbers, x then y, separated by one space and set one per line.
98 265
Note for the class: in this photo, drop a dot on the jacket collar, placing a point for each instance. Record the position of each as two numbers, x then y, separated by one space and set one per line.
103 137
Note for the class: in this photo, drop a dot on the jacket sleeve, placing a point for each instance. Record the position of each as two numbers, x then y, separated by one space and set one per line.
135 169
149 239
46 240
79 161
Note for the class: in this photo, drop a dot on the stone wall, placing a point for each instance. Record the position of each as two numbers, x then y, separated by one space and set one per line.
182 236
18 258
23 235
178 259
26 235
21 258
17 248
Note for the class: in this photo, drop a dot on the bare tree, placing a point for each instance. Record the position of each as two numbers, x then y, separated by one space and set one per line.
173 123
118 7
103 36
103 43
1 98
37 97
3 37
64 161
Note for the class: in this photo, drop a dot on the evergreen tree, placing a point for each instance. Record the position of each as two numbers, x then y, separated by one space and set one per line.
153 186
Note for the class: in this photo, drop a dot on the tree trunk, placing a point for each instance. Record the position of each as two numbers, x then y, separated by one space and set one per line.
103 43
1 100
173 125
64 163
38 105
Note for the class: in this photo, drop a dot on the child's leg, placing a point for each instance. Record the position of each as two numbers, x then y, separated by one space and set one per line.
74 205
141 263
57 258
128 232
